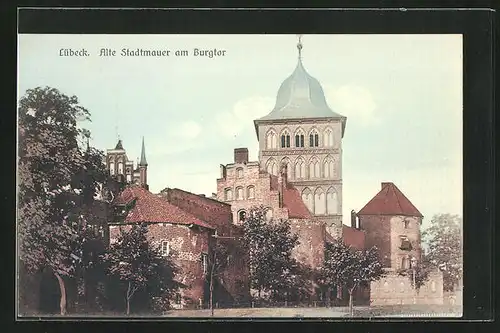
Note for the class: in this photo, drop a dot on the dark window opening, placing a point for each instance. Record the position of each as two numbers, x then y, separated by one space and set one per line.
311 140
297 141
242 216
302 140
288 141
407 224
405 244
316 140
282 141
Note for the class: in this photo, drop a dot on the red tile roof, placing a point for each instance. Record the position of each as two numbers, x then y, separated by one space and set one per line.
353 237
150 208
390 201
292 200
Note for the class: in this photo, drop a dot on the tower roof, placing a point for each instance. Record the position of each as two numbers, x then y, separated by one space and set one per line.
119 145
143 154
301 96
390 201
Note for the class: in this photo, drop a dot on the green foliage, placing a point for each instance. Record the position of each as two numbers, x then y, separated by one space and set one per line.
58 176
135 264
444 241
348 267
270 245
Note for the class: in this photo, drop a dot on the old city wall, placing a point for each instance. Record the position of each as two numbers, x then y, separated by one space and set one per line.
378 233
395 289
311 250
186 247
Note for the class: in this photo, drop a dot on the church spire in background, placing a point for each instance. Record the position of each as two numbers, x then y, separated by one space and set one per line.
143 154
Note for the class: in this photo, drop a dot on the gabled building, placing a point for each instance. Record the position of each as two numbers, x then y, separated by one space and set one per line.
392 223
119 164
187 236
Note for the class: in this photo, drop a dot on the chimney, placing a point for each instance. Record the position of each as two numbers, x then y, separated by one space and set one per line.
281 187
241 155
384 184
353 220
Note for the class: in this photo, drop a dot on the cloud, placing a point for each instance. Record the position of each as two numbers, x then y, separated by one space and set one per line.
187 130
354 102
240 118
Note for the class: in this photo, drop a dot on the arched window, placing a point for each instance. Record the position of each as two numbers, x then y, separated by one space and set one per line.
404 263
120 168
314 171
307 198
239 193
272 167
228 194
299 138
300 169
239 172
271 139
319 202
286 162
112 168
285 139
251 192
242 215
328 138
328 167
331 201
314 138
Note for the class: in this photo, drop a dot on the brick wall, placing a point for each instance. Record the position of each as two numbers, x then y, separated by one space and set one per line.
311 250
378 233
395 289
186 246
412 232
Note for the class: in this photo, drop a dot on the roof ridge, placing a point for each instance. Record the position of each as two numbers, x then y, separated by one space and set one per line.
394 188
408 200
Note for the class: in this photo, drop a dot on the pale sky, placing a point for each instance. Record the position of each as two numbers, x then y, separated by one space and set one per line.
401 94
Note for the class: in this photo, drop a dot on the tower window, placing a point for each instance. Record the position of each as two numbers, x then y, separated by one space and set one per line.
239 173
165 248
407 224
285 139
239 193
204 262
251 192
314 139
405 244
228 194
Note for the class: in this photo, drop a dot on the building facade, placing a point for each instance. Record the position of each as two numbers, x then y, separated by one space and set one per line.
303 133
118 164
392 224
187 239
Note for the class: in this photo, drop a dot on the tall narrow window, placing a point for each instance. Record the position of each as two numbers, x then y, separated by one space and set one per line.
239 173
311 140
297 140
302 140
283 141
112 168
251 192
407 223
239 193
165 248
316 140
271 140
328 138
204 262
288 141
228 194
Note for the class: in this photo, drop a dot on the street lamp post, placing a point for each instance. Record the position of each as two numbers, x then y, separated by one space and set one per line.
413 265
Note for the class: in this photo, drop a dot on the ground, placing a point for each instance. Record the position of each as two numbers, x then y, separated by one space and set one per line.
337 312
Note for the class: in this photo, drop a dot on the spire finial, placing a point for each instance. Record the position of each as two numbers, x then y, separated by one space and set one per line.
299 46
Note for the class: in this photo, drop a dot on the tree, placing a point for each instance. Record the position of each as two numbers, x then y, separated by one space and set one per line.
270 245
444 242
58 177
349 268
418 273
138 265
217 264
